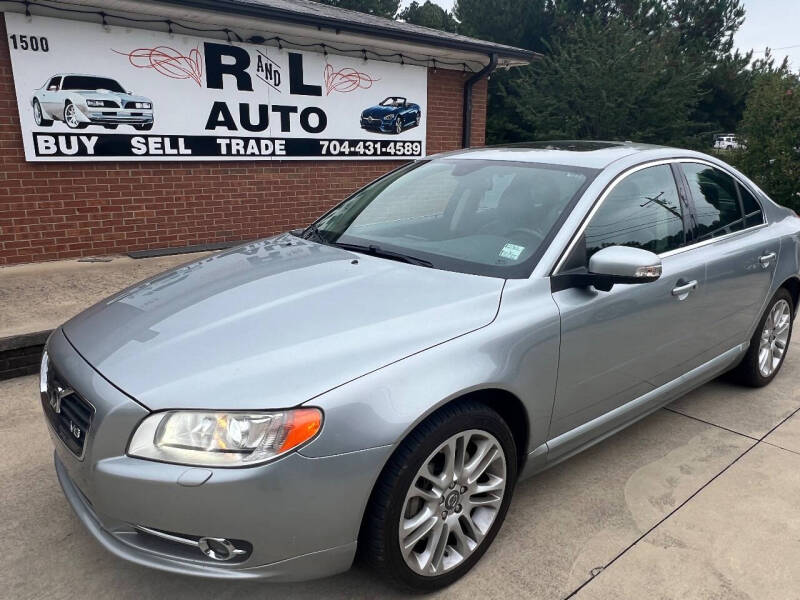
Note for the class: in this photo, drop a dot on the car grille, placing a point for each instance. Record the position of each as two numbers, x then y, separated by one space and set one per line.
109 104
69 415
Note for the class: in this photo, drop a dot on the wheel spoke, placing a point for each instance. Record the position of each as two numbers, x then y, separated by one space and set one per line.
481 467
432 495
464 543
423 530
494 484
413 523
474 532
438 546
763 362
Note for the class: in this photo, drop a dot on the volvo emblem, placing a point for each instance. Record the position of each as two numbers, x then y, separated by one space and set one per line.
56 393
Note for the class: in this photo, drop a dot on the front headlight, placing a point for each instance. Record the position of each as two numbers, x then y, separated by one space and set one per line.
220 439
95 103
146 105
388 117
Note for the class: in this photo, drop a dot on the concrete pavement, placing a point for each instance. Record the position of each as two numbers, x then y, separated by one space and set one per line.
699 500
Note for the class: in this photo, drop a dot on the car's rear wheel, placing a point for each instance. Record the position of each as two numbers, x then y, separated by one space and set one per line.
38 115
111 125
442 498
769 344
143 126
71 117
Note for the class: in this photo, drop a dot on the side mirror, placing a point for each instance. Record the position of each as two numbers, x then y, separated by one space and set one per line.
622 264
610 266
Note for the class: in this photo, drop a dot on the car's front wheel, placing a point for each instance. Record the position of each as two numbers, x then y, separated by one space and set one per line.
769 343
442 497
71 117
143 126
398 125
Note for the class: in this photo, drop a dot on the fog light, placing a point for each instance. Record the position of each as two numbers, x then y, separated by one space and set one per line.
218 548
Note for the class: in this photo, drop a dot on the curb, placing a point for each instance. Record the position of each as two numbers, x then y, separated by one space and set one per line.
21 354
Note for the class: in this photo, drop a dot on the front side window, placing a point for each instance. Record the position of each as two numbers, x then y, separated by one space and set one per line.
716 201
474 216
53 84
643 211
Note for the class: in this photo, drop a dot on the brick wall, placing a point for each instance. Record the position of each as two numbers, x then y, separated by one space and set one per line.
65 210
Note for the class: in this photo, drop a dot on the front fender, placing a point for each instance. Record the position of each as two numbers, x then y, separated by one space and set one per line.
517 353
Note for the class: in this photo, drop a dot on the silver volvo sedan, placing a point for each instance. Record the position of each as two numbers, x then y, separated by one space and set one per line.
381 380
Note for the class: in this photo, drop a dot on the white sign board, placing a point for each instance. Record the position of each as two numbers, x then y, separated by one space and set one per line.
90 93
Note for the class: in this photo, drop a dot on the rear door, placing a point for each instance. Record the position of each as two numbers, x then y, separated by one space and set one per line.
740 253
619 345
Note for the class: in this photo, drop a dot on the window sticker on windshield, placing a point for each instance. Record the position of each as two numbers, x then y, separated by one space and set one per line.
511 251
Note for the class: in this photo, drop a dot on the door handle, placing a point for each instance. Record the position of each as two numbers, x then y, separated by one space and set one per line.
767 259
685 289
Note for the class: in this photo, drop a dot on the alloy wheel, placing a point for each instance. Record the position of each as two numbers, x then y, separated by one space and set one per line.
452 502
774 338
71 116
37 113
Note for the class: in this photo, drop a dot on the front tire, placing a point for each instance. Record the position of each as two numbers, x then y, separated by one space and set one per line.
398 126
143 127
769 343
442 498
71 117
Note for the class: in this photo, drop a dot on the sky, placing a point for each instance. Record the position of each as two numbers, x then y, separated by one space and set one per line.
768 23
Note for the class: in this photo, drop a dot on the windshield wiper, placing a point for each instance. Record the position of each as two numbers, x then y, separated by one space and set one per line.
312 231
374 250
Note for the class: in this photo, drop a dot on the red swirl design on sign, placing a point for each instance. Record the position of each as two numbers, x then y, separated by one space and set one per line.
169 62
346 80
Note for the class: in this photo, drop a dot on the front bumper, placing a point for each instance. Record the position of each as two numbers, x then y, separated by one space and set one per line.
115 116
122 542
380 126
301 515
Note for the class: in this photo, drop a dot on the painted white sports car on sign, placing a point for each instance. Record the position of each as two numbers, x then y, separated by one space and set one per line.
83 100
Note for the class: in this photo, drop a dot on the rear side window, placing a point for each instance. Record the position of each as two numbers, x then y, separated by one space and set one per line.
752 209
643 211
716 201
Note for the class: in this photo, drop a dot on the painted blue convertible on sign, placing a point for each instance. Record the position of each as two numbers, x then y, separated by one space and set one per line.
393 115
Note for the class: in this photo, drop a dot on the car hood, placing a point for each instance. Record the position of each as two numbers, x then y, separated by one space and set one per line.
273 324
106 95
380 111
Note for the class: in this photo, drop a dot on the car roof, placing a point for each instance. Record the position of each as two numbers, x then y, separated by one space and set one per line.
587 154
81 75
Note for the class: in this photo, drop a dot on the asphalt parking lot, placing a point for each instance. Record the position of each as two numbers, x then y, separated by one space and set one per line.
699 500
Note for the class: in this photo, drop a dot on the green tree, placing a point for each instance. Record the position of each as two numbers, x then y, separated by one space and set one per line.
379 8
604 81
429 15
771 131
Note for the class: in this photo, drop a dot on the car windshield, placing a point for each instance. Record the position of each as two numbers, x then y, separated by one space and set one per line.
483 217
85 82
394 102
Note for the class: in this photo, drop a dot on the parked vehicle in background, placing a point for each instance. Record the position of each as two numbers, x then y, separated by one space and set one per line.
727 141
382 379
